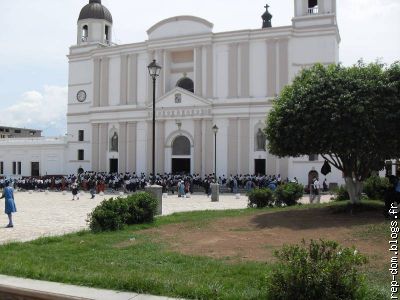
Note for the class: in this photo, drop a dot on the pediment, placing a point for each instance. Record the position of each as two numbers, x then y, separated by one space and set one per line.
179 26
180 98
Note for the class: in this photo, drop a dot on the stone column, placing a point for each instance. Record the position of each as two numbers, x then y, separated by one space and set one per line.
142 150
283 63
122 147
272 164
233 146
271 68
132 79
156 192
198 71
149 147
214 192
160 143
160 83
233 71
208 156
151 56
197 155
95 147
244 70
131 147
244 145
96 82
103 147
210 72
124 80
104 81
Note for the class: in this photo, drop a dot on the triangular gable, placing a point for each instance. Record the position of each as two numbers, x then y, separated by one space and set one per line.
179 97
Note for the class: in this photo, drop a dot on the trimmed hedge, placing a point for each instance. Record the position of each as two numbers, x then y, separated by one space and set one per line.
115 214
289 193
260 198
320 270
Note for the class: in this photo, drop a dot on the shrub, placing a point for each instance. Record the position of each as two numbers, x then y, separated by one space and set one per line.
111 215
321 270
341 194
114 214
141 207
375 187
289 193
260 198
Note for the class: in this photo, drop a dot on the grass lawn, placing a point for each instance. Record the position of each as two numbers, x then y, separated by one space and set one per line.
169 257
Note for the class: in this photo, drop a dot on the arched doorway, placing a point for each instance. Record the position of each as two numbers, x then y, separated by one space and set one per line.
181 155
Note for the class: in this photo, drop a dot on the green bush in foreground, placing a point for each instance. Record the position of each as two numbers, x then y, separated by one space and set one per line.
375 187
260 198
320 270
341 194
114 214
141 207
289 193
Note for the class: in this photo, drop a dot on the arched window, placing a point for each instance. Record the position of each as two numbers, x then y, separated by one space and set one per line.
181 146
85 33
107 34
186 83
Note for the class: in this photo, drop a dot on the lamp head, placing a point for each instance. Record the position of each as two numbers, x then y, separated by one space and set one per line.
215 129
154 69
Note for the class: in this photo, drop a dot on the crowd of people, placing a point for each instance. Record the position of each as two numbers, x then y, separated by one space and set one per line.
97 182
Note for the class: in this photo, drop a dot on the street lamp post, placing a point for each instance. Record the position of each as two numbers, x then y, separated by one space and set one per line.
215 129
154 71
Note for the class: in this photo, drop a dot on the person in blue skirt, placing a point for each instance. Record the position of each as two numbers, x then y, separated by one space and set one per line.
8 194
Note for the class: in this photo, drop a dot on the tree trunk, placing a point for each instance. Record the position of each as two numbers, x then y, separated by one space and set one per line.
354 188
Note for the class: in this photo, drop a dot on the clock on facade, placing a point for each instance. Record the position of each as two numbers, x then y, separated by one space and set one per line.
81 96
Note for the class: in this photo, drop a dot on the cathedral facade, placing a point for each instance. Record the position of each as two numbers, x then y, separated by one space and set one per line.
208 80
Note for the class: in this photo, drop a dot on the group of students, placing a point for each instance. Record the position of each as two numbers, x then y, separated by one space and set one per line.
131 182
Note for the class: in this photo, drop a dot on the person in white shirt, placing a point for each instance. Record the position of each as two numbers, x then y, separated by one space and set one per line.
316 190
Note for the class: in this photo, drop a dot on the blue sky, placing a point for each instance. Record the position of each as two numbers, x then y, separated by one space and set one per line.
36 35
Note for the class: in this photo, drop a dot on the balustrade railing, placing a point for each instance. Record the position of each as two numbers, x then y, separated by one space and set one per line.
313 10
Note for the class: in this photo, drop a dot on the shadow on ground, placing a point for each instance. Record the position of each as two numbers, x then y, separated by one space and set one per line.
315 218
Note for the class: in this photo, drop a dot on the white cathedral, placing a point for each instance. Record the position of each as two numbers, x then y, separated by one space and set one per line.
227 79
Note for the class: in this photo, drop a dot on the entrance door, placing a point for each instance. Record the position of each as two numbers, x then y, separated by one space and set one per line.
113 165
181 166
34 168
259 166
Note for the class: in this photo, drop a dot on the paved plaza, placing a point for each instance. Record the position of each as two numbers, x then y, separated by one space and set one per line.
54 213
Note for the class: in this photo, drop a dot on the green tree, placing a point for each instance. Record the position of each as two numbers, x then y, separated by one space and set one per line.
349 115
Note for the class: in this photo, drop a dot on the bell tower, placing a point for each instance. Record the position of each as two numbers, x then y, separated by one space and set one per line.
94 24
314 12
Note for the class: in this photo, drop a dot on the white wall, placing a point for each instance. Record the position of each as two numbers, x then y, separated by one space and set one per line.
50 155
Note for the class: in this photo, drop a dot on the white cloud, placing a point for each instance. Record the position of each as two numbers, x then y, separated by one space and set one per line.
44 110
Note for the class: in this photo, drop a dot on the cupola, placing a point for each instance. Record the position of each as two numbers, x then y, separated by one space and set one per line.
94 24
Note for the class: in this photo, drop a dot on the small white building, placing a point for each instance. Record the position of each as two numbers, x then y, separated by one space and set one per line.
226 79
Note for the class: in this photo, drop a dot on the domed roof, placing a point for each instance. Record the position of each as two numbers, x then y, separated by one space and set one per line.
95 10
